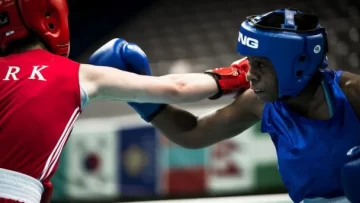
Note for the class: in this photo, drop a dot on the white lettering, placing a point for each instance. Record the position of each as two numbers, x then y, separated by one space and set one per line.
248 41
36 72
12 70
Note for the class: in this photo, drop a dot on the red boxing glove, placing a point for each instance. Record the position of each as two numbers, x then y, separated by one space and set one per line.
231 80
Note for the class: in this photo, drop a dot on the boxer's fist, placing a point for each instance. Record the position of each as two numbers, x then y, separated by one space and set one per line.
350 175
231 80
120 54
125 56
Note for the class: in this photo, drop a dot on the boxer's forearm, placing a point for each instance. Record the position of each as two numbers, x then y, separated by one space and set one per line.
110 83
190 87
170 89
190 131
177 125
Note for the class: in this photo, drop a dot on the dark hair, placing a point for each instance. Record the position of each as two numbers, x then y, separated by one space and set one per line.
20 45
304 19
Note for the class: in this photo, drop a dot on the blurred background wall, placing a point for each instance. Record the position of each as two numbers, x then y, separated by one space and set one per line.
113 154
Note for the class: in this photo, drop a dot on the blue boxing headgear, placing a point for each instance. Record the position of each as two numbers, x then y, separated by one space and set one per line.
295 55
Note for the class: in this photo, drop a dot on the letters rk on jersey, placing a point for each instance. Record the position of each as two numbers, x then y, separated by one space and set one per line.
35 73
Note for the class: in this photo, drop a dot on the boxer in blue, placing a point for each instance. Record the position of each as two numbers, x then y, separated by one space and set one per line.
311 113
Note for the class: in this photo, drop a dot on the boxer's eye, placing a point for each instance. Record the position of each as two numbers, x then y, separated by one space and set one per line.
259 64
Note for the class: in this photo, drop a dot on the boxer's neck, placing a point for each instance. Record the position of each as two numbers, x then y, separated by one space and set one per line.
310 101
32 47
24 45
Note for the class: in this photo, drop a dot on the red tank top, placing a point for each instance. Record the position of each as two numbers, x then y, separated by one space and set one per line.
39 103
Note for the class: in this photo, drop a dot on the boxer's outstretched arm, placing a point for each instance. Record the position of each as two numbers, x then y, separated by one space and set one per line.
111 83
190 131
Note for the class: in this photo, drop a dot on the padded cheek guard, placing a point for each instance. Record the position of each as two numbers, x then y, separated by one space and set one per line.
295 55
49 20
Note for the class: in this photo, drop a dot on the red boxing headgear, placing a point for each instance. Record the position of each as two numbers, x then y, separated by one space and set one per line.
48 19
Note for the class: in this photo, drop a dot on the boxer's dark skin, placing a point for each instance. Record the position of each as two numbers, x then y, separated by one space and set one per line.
190 131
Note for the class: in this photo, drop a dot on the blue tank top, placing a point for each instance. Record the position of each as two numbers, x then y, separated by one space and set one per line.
311 152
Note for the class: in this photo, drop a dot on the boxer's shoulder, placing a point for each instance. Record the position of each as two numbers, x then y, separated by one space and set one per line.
350 85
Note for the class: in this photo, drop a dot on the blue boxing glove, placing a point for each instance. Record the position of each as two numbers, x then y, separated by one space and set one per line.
125 56
350 175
